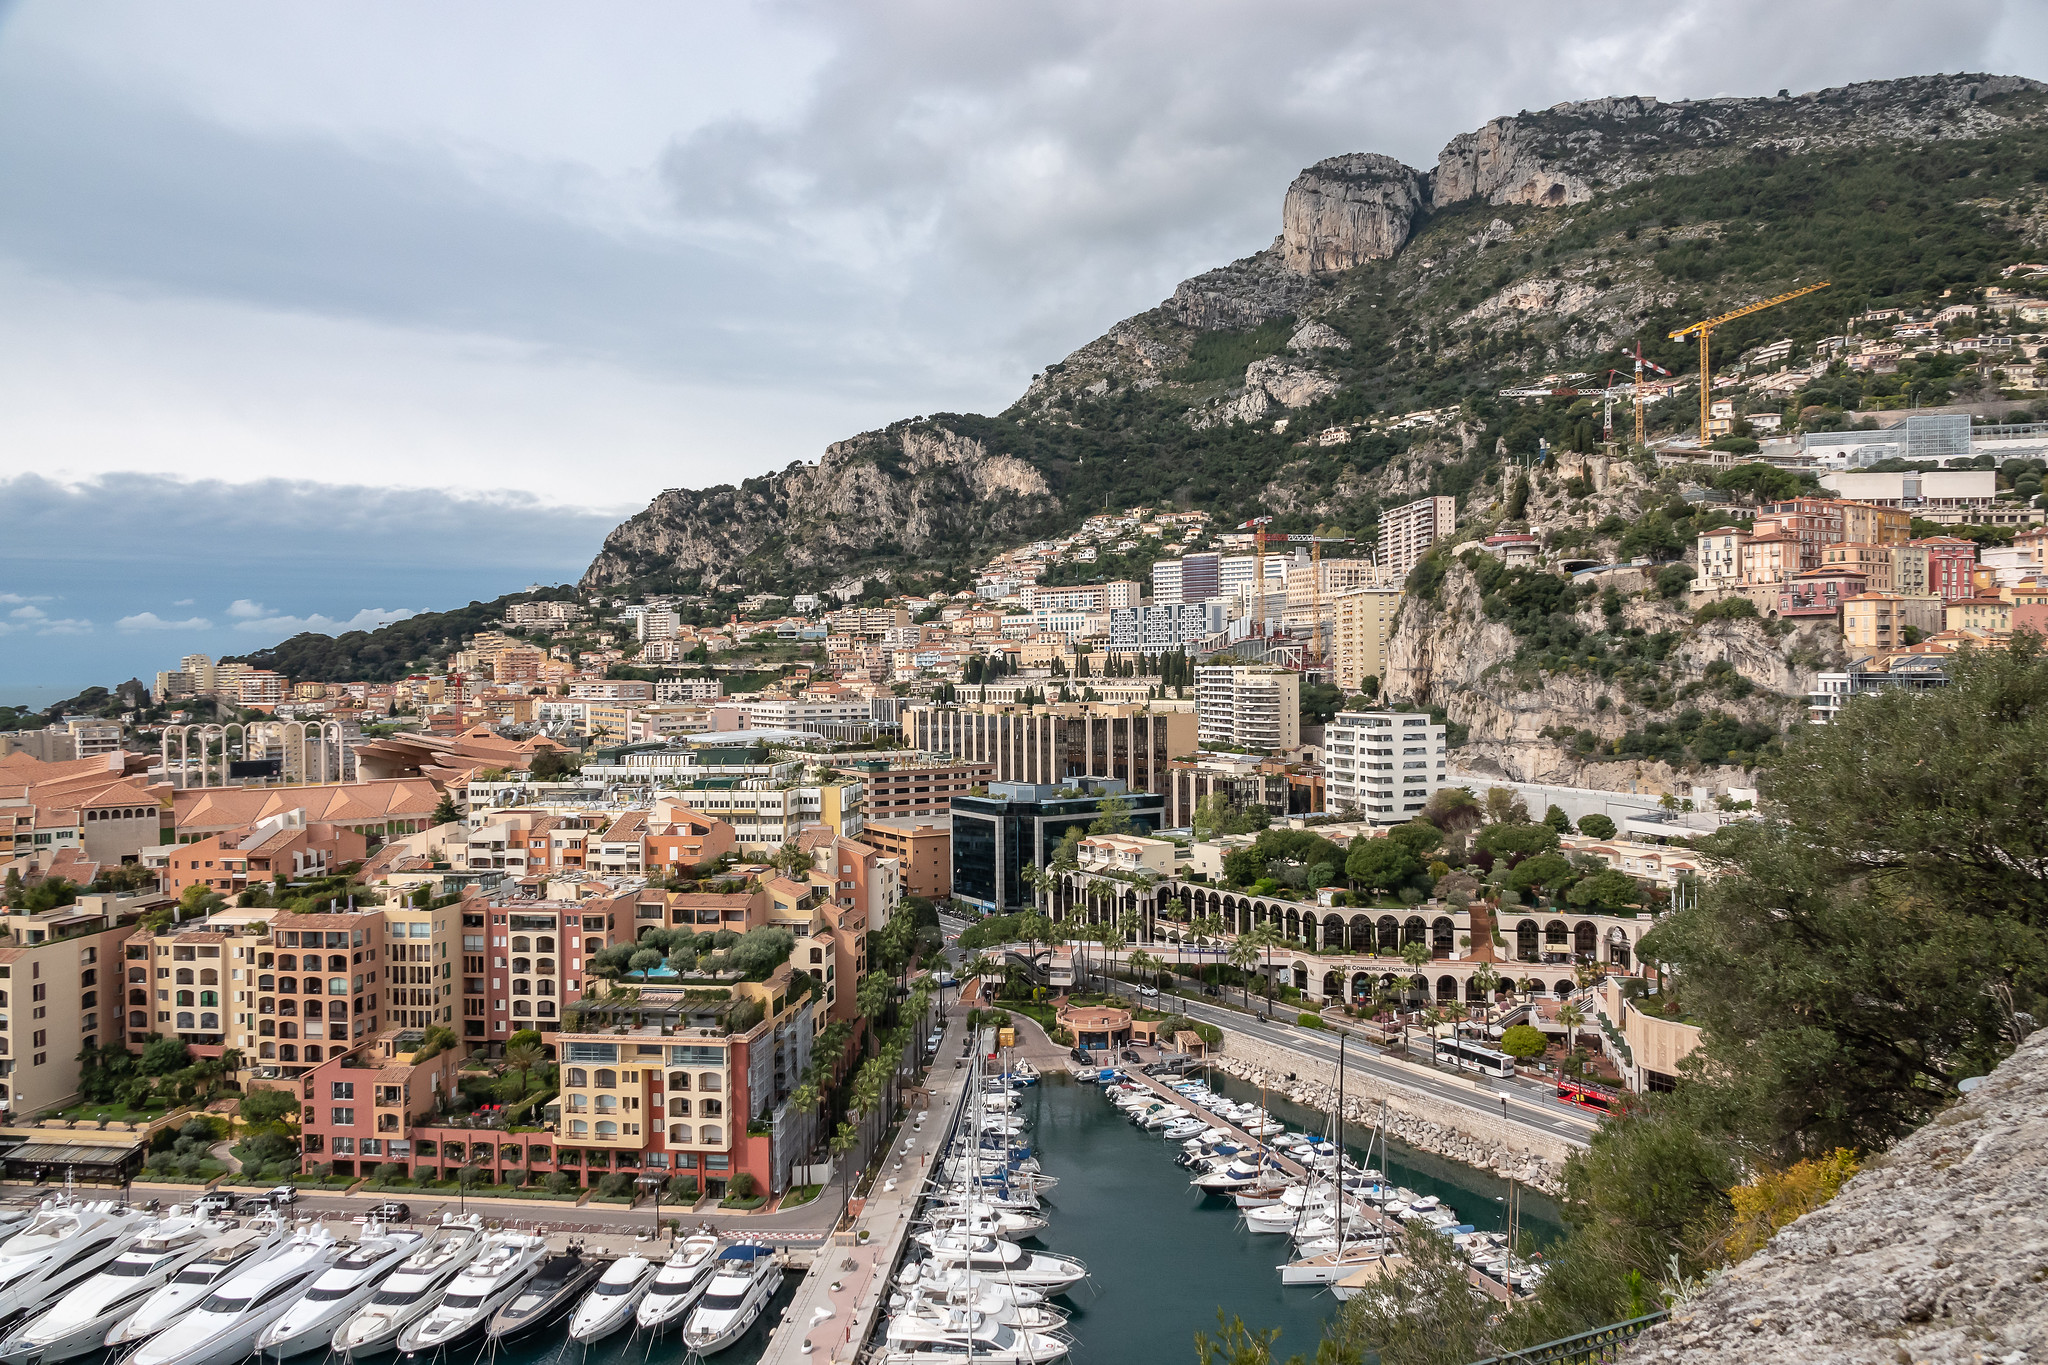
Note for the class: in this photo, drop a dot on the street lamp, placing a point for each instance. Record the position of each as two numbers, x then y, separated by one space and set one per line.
653 1184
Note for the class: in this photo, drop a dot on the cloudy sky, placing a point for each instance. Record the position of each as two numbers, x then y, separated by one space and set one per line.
313 314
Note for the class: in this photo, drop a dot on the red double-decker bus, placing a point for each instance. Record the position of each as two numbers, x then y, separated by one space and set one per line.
1601 1099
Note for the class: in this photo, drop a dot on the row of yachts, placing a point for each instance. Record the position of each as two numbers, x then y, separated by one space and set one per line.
969 1290
1345 1220
188 1287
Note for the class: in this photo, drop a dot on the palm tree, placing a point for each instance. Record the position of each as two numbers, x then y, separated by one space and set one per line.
1129 925
1486 981
844 1140
523 1058
1572 1018
871 998
1244 955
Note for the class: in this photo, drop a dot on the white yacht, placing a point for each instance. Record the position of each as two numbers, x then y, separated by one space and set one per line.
958 1334
66 1243
224 1327
344 1287
1034 1270
983 1220
746 1278
677 1286
508 1261
612 1301
959 1287
412 1291
79 1322
222 1259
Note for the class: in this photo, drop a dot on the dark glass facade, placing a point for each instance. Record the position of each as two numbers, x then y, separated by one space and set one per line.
996 837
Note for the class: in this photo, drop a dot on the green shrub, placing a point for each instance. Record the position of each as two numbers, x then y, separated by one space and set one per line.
682 1189
561 1182
741 1186
1307 1020
1727 609
1522 1042
615 1184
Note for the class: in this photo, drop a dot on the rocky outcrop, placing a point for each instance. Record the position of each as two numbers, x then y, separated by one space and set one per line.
1317 336
1240 295
1269 386
1348 210
911 490
1937 1251
1500 164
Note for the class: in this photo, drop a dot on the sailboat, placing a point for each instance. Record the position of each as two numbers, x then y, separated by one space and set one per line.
1350 1254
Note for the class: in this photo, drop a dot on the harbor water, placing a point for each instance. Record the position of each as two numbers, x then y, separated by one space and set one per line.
1162 1258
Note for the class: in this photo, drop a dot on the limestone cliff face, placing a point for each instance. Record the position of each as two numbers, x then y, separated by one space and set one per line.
1449 654
911 489
1934 1252
1348 210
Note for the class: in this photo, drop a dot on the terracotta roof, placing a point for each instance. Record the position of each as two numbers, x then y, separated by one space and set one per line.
347 803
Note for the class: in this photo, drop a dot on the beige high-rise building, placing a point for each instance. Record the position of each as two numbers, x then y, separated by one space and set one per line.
1360 633
1248 706
1406 532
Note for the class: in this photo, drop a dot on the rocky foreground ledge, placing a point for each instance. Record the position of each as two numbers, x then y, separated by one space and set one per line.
1936 1252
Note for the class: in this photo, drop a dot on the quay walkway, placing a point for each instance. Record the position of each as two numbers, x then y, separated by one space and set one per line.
1486 1284
840 1299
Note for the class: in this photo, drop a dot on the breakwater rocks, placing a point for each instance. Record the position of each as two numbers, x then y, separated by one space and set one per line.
1412 1117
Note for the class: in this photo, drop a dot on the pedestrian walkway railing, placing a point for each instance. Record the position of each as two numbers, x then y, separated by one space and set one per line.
1600 1344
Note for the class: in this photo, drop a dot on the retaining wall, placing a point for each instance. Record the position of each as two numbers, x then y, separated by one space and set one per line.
1415 1117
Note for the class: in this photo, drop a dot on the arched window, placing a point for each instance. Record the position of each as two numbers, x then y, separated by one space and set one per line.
184 977
312 1054
544 944
287 1029
521 944
138 998
266 1051
287 1053
578 1078
266 982
578 1127
679 1132
545 966
607 1129
679 1108
208 977
710 1080
138 1020
578 1103
711 1133
182 998
522 965
679 1080
521 986
291 1007
710 1109
544 986
522 1009
335 963
209 998
287 962
1527 940
607 1079
138 974
607 1104
545 1009
266 1028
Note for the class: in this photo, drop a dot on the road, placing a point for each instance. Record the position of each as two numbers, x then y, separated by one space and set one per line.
1525 1103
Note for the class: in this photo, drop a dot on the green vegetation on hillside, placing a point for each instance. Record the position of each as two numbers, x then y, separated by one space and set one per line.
418 643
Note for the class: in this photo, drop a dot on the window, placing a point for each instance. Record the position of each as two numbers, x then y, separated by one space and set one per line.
342 1090
342 1117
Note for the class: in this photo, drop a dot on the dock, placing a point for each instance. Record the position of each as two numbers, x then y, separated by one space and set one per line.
1486 1284
840 1300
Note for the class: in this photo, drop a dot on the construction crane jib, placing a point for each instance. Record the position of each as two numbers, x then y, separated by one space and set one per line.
1705 329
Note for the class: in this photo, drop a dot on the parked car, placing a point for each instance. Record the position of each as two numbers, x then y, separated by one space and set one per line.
252 1204
213 1201
1212 990
284 1194
392 1211
1148 992
1080 1055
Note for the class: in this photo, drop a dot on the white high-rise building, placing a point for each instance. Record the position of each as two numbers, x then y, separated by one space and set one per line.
659 623
1361 628
1166 582
1383 765
1248 706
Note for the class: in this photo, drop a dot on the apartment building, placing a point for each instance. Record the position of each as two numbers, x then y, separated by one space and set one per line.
523 959
764 818
1248 707
670 838
1951 566
658 623
1279 788
365 1104
1406 533
1878 621
1191 578
1383 764
60 992
1092 597
924 789
281 847
422 948
861 878
1130 743
1361 628
312 990
688 689
377 809
1020 824
922 845
1162 629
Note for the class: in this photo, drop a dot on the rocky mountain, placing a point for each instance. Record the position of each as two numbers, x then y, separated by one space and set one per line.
1548 239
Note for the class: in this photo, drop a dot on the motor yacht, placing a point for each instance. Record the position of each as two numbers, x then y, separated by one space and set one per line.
342 1289
1369 1278
412 1291
224 1327
961 1287
551 1295
679 1283
66 1242
1237 1174
79 1322
507 1262
1273 1189
961 1334
611 1302
221 1260
746 1278
1024 1073
980 1220
1035 1317
950 1251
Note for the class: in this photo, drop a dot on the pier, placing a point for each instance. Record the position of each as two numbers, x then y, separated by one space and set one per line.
840 1300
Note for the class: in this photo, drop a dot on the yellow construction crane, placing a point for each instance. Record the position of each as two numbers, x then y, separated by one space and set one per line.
1706 328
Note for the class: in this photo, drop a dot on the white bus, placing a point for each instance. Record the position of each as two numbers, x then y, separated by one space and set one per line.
1469 1056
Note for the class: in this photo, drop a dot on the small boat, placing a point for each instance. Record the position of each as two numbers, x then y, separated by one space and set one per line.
221 1261
1331 1266
551 1295
1367 1278
412 1291
344 1287
678 1284
79 1322
508 1261
1238 1174
611 1302
224 1327
1024 1073
979 1220
746 1278
1265 1193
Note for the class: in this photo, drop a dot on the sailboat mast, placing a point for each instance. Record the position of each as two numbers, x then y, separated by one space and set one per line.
1337 1179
